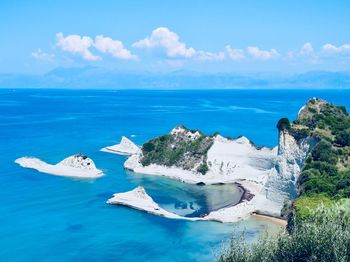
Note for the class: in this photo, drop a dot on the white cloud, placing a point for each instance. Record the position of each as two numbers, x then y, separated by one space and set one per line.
76 44
209 56
235 54
306 49
332 49
40 55
113 47
259 54
162 37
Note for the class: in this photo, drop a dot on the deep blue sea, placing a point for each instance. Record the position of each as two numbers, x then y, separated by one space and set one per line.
50 218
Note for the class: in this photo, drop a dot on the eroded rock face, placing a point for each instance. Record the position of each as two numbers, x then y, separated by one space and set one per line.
291 157
78 161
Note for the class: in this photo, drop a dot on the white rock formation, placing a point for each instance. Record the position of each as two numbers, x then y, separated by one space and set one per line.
78 166
292 154
229 161
140 200
269 174
125 147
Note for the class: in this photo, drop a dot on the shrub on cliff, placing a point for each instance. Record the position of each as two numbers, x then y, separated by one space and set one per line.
203 168
283 124
343 138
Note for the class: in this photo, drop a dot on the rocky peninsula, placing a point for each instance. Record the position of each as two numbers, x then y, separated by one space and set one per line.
272 177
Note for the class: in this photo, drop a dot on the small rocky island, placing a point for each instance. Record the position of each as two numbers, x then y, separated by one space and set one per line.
77 166
125 147
308 162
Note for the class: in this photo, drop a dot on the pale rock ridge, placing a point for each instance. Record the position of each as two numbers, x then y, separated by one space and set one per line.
140 200
125 147
78 166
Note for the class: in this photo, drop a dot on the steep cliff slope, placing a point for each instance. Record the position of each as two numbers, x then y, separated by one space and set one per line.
323 131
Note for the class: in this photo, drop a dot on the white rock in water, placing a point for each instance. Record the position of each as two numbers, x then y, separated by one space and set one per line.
78 166
125 147
139 199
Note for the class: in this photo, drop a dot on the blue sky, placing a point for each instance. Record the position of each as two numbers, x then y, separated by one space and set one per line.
158 36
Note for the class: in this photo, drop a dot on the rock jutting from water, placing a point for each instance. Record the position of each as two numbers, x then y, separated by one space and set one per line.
77 166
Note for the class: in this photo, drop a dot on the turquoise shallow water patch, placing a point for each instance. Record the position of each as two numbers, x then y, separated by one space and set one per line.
186 199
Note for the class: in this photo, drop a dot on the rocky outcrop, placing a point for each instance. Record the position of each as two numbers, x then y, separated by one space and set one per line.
125 147
271 175
79 166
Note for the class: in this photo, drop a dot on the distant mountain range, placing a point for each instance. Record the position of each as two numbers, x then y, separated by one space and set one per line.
94 77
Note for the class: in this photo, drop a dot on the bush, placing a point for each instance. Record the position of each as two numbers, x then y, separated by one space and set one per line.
323 237
148 147
343 138
283 124
203 168
325 153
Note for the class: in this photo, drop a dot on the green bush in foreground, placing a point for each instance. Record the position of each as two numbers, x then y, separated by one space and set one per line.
323 236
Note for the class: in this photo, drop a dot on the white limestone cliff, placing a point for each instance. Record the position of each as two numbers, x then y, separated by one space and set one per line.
282 184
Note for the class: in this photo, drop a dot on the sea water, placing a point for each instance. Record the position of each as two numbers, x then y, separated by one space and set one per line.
50 218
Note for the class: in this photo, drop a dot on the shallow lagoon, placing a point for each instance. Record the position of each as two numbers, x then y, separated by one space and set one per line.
50 218
186 199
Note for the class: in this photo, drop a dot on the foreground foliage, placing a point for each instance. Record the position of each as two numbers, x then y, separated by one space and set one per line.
323 236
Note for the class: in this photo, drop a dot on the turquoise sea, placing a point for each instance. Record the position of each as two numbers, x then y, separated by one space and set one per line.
49 218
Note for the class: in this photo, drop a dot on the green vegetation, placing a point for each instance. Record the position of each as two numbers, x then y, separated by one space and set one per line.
203 168
182 150
323 236
327 168
305 205
342 138
283 124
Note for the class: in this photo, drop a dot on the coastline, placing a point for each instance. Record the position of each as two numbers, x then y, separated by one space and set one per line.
273 219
